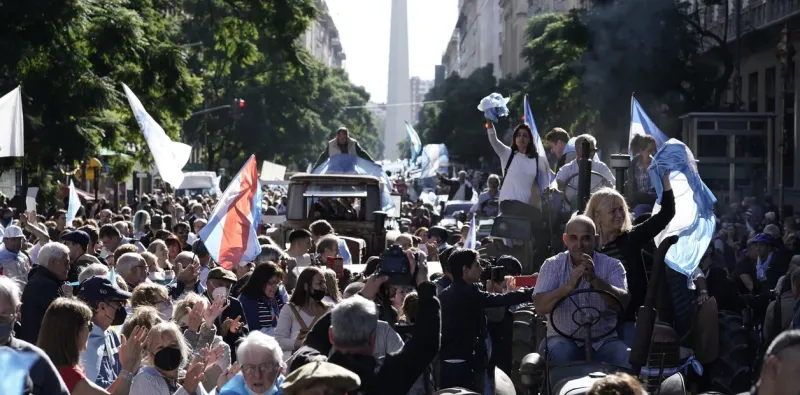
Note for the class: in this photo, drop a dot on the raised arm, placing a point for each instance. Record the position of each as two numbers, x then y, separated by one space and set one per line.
650 228
502 150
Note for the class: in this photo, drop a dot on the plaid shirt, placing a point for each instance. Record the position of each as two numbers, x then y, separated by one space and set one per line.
642 178
555 273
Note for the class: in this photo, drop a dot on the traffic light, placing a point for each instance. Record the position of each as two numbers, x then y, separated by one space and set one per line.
237 108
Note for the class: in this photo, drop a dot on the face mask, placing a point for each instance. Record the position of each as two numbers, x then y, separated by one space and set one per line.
168 358
220 292
317 294
7 331
165 312
119 317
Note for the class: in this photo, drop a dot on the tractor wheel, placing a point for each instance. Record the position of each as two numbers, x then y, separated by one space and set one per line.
730 373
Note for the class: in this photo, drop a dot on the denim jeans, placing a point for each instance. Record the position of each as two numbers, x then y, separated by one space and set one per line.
613 351
626 331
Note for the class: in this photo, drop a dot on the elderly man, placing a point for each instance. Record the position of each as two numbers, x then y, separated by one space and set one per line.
14 262
261 359
780 372
133 268
77 241
320 378
567 178
44 286
188 279
579 268
43 379
342 144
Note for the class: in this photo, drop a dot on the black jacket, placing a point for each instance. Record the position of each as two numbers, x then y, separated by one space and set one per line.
399 371
454 185
42 289
464 319
43 378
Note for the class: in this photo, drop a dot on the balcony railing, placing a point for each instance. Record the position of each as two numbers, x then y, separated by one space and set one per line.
755 16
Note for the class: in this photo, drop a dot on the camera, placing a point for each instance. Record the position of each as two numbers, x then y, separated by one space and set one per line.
395 265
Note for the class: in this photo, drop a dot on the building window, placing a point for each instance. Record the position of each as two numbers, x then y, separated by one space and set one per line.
769 90
752 92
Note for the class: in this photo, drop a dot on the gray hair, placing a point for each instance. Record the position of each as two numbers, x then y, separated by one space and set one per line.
260 343
9 292
52 251
587 137
95 269
353 322
127 262
269 253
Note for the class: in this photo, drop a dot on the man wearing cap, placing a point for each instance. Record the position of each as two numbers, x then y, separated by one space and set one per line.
771 262
15 262
78 242
320 378
231 324
100 359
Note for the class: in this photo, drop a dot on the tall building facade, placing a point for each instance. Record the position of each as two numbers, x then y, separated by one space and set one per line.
398 109
419 88
322 38
478 35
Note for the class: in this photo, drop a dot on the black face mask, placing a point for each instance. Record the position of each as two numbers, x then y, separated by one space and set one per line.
317 294
168 358
119 316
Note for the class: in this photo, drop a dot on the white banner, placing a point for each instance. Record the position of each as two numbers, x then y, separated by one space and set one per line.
12 138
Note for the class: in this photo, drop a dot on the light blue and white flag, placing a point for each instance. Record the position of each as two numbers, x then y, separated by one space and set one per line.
73 204
434 159
643 125
694 222
414 143
545 174
471 241
170 156
352 164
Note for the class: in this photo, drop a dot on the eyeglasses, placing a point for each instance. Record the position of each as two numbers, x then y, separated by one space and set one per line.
263 368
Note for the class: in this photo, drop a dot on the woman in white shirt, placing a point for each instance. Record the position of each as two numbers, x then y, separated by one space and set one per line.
305 307
519 164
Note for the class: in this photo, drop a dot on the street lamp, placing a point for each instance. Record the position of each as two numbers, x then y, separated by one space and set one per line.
785 55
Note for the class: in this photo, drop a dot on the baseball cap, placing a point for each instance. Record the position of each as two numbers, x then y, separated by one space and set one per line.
101 289
77 237
13 231
762 238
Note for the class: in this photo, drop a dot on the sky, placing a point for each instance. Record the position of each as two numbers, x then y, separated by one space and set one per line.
364 32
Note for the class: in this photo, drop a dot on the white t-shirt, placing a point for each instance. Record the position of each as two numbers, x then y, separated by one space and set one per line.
518 181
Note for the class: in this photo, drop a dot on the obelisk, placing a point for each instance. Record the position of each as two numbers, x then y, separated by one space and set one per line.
398 109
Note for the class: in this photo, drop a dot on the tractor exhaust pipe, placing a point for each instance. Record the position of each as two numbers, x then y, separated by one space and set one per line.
646 318
584 176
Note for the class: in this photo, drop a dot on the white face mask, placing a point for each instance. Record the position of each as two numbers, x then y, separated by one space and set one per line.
220 292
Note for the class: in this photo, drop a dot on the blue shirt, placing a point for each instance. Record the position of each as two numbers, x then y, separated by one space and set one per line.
101 357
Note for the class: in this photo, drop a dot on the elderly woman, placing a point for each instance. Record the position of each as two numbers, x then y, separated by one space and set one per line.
621 240
262 366
166 352
95 269
196 317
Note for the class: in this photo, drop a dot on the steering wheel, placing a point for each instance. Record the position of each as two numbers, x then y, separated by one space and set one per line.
592 188
592 319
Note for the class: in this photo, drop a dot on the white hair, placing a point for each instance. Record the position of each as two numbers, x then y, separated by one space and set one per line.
353 321
52 251
95 269
127 262
9 292
265 346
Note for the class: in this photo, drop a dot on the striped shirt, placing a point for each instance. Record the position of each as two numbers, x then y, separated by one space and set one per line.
268 313
555 273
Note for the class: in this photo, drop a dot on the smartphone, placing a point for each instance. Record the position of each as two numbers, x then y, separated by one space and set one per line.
337 265
525 281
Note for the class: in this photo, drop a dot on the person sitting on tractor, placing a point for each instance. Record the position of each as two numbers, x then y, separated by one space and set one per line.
342 144
567 176
459 188
578 268
484 206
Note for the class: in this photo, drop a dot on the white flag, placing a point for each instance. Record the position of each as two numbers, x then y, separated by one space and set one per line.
170 156
73 204
12 140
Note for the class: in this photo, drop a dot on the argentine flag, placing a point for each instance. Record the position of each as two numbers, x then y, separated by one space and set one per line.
643 125
414 143
543 171
434 157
